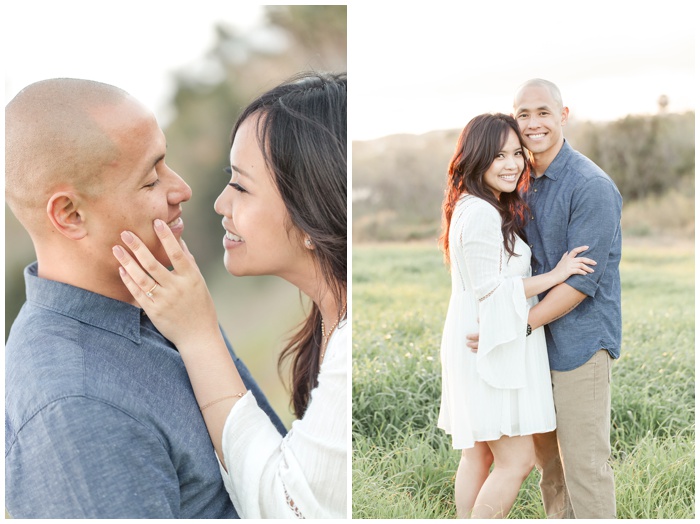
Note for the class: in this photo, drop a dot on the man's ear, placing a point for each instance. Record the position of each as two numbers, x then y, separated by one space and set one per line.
65 214
564 116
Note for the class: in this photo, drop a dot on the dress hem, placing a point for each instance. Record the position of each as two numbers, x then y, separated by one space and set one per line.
502 435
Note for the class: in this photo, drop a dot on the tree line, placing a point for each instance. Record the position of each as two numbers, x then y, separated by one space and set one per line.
398 181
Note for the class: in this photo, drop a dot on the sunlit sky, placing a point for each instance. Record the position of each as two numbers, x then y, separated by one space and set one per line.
135 45
414 70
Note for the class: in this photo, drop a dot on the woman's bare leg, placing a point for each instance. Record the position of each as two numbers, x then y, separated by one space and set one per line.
471 474
514 458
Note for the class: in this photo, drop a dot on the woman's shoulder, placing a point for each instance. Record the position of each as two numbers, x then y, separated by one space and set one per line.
474 208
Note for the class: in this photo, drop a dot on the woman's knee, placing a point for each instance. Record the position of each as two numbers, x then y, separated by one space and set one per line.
524 465
518 460
480 455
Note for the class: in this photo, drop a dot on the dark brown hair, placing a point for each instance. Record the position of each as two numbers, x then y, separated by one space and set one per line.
481 140
302 132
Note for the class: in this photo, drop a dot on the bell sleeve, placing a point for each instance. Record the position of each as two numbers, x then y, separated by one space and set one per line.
304 474
503 308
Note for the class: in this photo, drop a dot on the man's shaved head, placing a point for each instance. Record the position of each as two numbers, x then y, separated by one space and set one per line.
539 82
53 140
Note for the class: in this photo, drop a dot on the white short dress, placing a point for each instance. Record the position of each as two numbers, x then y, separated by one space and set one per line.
504 388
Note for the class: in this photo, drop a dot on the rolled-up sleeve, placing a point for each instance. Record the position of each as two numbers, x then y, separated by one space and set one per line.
596 209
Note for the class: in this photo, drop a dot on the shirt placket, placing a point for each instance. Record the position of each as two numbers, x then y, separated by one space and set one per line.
535 193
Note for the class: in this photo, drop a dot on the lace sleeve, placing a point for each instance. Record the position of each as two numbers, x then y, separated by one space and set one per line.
481 242
502 305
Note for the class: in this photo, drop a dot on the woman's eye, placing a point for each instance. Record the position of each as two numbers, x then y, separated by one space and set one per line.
153 184
237 187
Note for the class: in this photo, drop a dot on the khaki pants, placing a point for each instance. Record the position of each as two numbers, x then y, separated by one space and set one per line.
577 481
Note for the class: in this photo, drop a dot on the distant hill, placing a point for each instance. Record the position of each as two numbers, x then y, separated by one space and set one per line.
398 180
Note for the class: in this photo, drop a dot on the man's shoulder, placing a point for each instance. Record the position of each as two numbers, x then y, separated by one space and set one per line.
52 357
42 364
585 170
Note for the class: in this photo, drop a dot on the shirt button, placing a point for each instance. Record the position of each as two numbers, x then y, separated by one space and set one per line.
535 190
532 218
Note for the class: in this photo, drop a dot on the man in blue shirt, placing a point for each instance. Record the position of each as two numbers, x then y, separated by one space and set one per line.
573 203
100 417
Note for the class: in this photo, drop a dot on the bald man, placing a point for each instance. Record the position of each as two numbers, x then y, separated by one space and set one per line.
100 418
573 203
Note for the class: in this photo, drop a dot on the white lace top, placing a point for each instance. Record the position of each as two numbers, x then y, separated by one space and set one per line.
304 474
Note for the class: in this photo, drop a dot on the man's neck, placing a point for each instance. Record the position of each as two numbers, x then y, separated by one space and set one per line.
85 274
542 161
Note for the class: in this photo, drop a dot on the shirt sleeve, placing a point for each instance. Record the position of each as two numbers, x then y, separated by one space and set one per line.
89 460
302 474
595 220
503 308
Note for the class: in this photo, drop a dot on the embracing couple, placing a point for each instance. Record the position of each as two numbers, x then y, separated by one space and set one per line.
531 231
123 398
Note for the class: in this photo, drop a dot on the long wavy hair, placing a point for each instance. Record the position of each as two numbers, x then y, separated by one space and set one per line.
302 132
479 143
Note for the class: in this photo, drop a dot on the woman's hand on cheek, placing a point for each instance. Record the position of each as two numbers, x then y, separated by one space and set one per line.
178 301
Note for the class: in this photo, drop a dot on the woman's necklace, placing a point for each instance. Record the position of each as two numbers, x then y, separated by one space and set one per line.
326 338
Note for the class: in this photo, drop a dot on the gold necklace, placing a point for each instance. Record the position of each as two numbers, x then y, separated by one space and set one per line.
325 338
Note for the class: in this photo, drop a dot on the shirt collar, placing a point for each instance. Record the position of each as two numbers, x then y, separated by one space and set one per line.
84 306
557 165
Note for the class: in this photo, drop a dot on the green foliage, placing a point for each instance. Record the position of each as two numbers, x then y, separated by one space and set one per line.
404 467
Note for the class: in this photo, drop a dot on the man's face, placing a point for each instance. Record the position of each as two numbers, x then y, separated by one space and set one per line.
138 185
540 118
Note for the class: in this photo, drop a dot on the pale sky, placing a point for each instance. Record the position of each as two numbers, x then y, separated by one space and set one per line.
414 70
133 44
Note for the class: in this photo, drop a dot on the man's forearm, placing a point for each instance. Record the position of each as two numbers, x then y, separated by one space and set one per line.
560 300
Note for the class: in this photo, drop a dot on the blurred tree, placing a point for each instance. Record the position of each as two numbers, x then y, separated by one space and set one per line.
237 69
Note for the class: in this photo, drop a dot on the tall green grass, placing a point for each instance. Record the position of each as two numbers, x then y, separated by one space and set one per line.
404 467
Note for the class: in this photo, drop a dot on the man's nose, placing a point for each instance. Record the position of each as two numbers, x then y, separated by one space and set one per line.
180 192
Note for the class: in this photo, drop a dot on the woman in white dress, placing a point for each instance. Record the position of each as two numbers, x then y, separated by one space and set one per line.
284 213
495 398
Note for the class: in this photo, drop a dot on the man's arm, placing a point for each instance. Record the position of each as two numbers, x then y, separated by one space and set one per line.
82 458
560 301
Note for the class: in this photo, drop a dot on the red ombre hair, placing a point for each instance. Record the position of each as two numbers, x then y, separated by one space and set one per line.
481 140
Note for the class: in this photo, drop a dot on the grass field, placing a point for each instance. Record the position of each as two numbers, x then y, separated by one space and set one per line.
403 466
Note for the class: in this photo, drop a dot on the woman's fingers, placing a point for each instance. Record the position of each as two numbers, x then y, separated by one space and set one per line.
574 252
177 252
137 281
144 256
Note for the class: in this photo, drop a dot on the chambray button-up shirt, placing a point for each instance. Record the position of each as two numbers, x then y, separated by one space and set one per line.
100 417
575 203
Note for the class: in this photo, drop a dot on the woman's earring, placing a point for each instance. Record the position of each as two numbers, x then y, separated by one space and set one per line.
308 243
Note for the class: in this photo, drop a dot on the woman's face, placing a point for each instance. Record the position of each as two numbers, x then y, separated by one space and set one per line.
260 238
503 174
